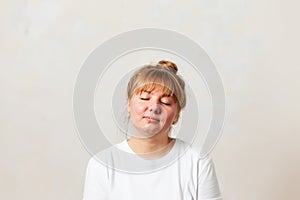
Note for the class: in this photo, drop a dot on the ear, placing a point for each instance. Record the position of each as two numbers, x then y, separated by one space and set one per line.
128 106
176 119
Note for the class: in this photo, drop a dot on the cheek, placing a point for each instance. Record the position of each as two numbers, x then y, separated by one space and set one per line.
171 114
136 108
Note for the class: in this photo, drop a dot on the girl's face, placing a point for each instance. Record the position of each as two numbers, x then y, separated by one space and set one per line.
152 112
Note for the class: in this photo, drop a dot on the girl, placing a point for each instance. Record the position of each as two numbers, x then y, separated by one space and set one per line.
155 98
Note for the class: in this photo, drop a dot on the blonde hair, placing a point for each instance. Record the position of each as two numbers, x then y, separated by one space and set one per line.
163 76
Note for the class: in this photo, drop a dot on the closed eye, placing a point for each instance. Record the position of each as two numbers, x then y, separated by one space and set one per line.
165 103
144 99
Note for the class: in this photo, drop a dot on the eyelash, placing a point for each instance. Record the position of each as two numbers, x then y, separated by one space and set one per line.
146 99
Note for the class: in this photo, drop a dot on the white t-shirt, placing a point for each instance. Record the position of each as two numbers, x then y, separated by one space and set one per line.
187 178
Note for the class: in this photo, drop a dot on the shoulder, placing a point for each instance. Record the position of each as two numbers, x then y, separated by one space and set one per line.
191 154
111 156
192 150
95 164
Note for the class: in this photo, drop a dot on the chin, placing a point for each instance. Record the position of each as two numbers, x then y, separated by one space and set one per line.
146 132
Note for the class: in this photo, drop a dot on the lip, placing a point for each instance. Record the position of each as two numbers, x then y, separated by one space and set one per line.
151 119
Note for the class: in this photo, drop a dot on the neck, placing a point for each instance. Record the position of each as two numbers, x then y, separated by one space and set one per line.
151 148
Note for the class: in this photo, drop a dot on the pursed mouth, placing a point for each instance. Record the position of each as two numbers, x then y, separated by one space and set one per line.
151 118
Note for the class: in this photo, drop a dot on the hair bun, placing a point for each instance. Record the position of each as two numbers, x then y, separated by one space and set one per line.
169 65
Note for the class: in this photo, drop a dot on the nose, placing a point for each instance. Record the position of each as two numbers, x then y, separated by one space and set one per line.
156 109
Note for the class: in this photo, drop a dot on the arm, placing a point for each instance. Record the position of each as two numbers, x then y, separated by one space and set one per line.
208 187
95 187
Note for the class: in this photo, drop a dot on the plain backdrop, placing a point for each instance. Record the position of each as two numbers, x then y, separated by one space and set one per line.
254 44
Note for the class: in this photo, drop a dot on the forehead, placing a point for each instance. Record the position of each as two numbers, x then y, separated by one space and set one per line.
155 88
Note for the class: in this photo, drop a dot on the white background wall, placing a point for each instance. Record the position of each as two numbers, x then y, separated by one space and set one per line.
254 44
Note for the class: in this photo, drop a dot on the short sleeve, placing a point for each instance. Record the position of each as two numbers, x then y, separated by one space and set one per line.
95 187
208 187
